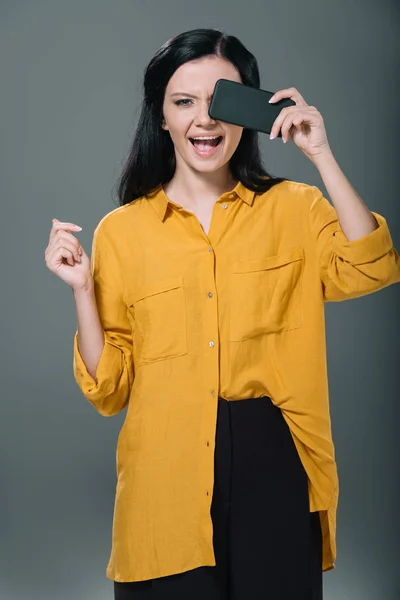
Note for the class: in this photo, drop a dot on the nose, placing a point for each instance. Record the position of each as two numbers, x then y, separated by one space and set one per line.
202 116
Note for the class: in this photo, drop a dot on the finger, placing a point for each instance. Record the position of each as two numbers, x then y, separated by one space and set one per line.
286 126
62 237
68 255
65 225
55 257
56 225
71 245
278 95
294 120
277 124
291 93
63 252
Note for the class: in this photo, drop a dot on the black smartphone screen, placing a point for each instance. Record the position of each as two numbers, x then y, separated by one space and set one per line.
245 106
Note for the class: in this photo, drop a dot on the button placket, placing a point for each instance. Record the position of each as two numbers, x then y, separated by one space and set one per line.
211 344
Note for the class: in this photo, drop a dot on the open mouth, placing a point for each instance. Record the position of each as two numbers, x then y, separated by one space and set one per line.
207 148
206 143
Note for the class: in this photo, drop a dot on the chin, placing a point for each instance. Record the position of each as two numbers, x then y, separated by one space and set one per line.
206 168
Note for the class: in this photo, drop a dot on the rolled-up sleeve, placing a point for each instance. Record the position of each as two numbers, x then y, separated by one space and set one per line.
349 269
109 392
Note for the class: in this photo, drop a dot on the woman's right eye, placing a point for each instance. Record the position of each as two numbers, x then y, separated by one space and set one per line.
183 100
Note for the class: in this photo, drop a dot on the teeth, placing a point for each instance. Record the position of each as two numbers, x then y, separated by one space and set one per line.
209 137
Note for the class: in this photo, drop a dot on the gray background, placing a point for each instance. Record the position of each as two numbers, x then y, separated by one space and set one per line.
71 75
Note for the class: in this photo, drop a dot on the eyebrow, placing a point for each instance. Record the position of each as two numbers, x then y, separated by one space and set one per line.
185 94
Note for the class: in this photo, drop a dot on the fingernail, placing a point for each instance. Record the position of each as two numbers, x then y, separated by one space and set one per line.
271 137
80 228
271 99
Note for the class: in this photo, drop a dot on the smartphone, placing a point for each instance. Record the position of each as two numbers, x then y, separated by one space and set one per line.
245 106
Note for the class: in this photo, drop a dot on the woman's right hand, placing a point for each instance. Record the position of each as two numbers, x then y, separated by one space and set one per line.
66 258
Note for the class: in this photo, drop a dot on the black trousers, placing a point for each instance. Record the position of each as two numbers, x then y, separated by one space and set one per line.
267 544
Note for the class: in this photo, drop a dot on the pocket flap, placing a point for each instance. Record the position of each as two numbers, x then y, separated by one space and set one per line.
268 262
154 287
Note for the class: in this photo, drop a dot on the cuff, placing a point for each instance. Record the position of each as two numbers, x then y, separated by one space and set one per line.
109 364
366 249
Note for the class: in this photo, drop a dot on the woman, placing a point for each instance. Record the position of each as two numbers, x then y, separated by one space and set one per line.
202 311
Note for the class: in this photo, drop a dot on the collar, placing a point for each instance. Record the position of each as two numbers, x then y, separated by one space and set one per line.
160 201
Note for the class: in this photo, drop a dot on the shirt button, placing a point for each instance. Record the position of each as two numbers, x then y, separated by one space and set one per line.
208 443
231 195
209 249
209 294
224 206
212 392
211 344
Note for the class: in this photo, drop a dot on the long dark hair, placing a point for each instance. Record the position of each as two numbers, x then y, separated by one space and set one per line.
151 160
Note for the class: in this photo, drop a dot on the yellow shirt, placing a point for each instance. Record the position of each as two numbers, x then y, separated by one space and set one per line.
238 314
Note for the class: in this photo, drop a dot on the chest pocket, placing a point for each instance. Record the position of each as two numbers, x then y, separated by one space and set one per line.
266 295
159 312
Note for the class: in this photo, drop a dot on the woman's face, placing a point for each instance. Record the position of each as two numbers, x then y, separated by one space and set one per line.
185 108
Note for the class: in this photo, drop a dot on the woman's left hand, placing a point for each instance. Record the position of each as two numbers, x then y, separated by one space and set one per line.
302 123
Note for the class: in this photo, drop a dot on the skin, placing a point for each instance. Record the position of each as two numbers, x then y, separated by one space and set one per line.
198 180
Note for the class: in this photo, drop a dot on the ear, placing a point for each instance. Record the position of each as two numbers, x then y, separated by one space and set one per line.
163 124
